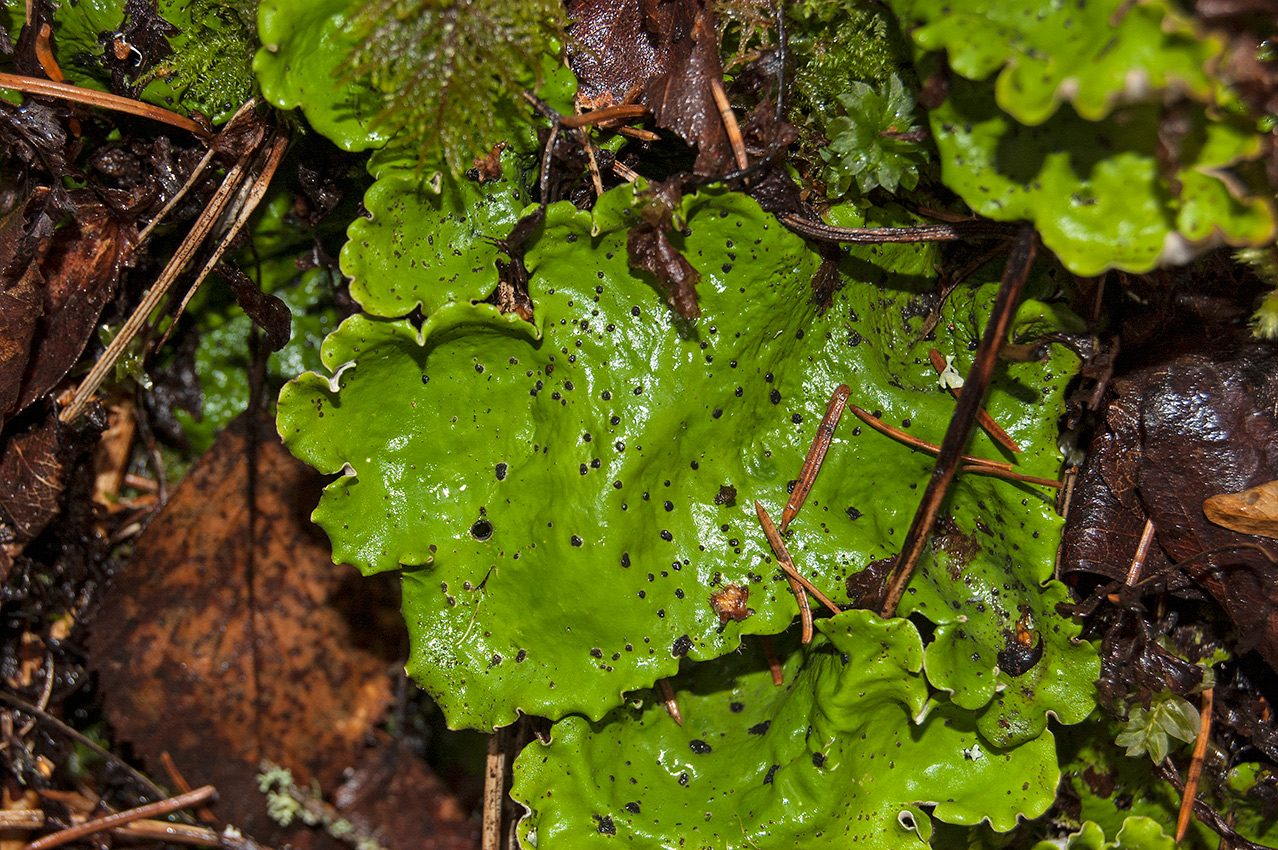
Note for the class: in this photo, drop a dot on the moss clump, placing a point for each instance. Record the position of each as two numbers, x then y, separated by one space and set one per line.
448 71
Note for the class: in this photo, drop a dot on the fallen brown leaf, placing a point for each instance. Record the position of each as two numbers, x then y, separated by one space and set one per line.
54 283
221 643
31 482
1178 434
663 54
648 247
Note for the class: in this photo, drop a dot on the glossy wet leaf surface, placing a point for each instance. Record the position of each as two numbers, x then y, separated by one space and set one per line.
1136 833
832 755
553 498
305 46
423 243
1096 190
1093 55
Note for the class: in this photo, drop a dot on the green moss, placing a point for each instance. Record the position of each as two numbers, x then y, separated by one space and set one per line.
448 71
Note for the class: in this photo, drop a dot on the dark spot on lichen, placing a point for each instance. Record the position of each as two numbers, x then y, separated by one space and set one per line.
501 471
481 530
727 495
606 826
699 746
681 646
1016 658
759 728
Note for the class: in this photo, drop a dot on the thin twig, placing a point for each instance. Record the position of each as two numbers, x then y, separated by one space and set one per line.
916 443
494 789
786 562
984 419
729 123
624 171
179 782
774 663
1206 814
783 43
150 810
23 819
66 91
177 198
1138 560
251 199
46 691
960 428
171 833
27 820
816 454
185 252
1195 768
638 134
592 163
624 111
876 235
50 720
1009 475
668 697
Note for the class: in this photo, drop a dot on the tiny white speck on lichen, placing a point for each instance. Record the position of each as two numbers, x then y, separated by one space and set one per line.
949 378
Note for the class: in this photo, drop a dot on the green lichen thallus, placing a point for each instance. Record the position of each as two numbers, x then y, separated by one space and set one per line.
816 456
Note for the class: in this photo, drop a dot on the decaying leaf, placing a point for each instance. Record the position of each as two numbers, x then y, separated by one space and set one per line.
662 55
31 480
649 248
59 266
1253 511
21 304
220 641
1177 435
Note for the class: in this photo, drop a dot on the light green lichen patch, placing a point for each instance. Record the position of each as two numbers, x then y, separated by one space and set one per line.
567 495
1098 191
848 751
305 48
428 237
1094 55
